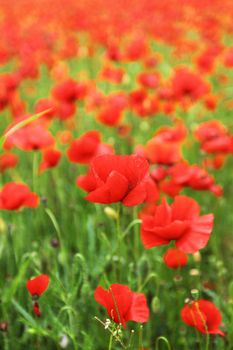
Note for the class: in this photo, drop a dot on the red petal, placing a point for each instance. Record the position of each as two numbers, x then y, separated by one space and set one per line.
139 311
136 196
150 239
31 201
113 191
185 208
197 237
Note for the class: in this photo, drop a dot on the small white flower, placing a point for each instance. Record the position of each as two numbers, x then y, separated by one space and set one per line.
64 341
107 323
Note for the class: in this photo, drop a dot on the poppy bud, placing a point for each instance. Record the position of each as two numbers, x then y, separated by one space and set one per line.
174 258
111 213
195 293
36 309
55 243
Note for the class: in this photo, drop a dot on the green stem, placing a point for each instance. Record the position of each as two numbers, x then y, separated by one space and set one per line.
198 338
34 170
136 246
11 246
163 339
59 235
207 341
72 328
118 225
6 342
140 337
110 342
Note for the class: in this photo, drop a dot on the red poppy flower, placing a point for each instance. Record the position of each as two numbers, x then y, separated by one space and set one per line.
187 84
137 49
8 85
180 222
149 80
38 285
193 176
210 130
142 103
7 160
176 133
51 158
203 315
43 104
175 258
66 91
228 59
33 136
165 146
88 146
65 110
121 178
206 60
149 107
159 151
122 304
211 102
113 74
214 137
221 144
110 116
14 196
137 97
169 187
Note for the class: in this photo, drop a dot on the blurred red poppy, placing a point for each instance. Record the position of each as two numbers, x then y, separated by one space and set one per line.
203 315
181 222
14 196
148 80
188 85
38 285
122 304
7 160
66 91
50 159
165 146
214 137
88 146
33 136
183 174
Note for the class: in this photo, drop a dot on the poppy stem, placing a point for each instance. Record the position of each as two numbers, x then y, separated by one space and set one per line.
110 342
59 235
34 170
164 340
119 234
207 341
136 245
11 245
140 336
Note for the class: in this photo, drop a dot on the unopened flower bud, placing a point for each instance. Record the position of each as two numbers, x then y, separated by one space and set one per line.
111 213
197 257
3 225
194 272
55 243
195 294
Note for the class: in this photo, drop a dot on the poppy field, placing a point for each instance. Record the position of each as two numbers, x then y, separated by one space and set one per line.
116 160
